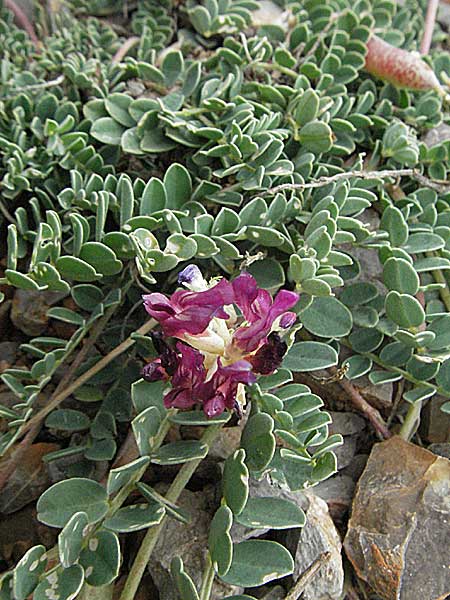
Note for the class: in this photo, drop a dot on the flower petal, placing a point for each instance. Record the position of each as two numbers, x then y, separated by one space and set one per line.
270 356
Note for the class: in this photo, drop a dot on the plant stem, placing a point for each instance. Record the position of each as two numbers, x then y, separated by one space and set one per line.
367 409
439 277
411 422
274 67
82 379
441 187
307 575
23 21
208 579
123 494
430 21
125 48
149 542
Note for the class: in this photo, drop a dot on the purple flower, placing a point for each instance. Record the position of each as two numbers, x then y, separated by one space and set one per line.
220 352
270 356
260 311
221 390
189 312
189 374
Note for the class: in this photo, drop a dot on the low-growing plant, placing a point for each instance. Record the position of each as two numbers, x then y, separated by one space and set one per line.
255 153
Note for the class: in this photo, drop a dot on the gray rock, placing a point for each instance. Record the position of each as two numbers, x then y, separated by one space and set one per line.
338 493
319 535
440 449
29 310
435 424
441 133
189 542
398 535
346 423
346 452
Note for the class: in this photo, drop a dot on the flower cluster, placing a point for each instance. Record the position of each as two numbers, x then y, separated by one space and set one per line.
226 334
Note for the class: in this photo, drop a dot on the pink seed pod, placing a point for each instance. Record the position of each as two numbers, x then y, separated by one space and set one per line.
401 68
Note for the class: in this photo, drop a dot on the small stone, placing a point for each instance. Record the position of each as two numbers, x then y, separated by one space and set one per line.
346 452
29 310
435 424
440 449
441 133
398 534
346 423
337 492
319 535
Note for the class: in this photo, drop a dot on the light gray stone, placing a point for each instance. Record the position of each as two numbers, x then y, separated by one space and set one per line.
319 535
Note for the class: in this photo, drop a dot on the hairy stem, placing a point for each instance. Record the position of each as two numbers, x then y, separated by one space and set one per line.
208 579
430 20
412 420
149 542
439 186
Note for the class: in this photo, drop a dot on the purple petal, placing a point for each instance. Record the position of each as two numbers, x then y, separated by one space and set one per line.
270 356
189 312
154 371
214 406
249 338
245 291
287 320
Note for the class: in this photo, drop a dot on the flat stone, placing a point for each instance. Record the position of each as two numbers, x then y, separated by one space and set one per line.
398 535
435 424
319 535
440 449
441 133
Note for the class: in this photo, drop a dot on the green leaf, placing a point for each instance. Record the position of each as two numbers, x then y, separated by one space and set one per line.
220 543
183 582
171 509
258 441
327 317
101 558
28 571
379 377
235 481
145 428
198 418
122 476
256 562
135 517
74 268
102 258
419 394
64 584
358 293
394 223
172 67
272 513
61 501
117 107
67 419
87 296
404 310
107 131
268 273
145 394
400 275
310 356
316 137
178 186
441 327
175 453
70 540
423 242
307 108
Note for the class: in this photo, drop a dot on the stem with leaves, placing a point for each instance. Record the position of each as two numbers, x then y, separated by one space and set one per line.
149 542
